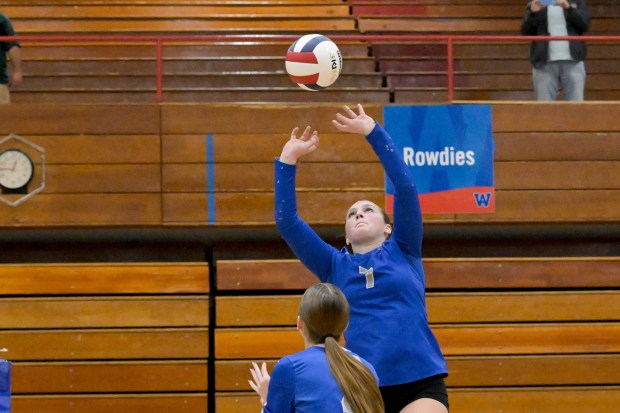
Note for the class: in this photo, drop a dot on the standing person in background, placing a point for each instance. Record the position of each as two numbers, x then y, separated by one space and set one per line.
382 276
324 377
558 63
10 50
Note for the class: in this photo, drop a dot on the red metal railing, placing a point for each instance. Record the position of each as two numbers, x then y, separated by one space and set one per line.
160 40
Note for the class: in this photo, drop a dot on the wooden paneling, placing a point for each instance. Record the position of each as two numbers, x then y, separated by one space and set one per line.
172 11
106 344
509 400
49 119
242 118
98 376
442 308
239 25
104 336
441 273
43 279
205 164
124 403
105 311
550 339
574 338
479 371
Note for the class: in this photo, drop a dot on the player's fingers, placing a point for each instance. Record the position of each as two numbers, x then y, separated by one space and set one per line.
255 372
349 112
343 119
338 125
264 369
306 134
360 109
294 132
253 386
315 138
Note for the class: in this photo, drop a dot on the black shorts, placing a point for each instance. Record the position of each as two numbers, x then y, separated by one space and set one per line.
398 396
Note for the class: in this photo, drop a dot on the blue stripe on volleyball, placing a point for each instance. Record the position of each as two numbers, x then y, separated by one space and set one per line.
292 48
210 180
314 86
308 47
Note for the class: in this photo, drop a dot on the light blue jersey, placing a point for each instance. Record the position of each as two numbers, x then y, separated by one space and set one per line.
303 383
385 287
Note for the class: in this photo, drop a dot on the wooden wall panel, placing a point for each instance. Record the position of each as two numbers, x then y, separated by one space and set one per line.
102 311
97 376
559 117
106 336
468 307
543 338
106 344
556 146
479 371
212 164
508 400
123 403
251 118
87 210
106 278
54 119
441 273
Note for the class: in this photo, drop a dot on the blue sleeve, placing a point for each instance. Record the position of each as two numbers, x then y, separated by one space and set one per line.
311 250
407 213
281 393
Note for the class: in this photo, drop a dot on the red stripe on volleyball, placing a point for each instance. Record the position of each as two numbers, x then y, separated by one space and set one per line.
305 79
301 57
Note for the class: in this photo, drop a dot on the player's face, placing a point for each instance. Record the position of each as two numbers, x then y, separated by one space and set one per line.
365 223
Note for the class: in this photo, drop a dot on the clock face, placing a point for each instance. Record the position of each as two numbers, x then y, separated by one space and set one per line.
16 169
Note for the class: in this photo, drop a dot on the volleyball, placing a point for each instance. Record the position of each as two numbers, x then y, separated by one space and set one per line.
313 62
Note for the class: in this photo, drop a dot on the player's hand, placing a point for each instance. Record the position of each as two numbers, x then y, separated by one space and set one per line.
296 147
354 122
261 381
563 4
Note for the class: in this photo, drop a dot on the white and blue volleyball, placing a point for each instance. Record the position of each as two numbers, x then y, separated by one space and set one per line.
313 62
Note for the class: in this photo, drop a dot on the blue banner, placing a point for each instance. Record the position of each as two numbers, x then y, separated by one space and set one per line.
449 150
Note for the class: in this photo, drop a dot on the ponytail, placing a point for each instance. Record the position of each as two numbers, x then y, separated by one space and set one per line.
356 381
325 312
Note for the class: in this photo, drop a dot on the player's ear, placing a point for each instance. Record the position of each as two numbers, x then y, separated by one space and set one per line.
388 230
300 323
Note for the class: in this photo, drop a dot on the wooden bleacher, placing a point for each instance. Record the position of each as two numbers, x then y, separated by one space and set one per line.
151 166
417 71
370 72
219 73
96 336
517 332
193 72
127 17
463 17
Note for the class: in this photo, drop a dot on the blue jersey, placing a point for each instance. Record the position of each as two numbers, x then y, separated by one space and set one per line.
303 383
385 287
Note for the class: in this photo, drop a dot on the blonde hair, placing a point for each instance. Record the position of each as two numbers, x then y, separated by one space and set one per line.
325 312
